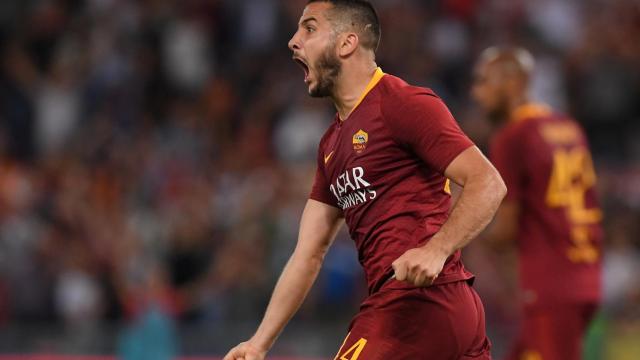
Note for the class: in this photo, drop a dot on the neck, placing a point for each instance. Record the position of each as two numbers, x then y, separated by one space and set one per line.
350 86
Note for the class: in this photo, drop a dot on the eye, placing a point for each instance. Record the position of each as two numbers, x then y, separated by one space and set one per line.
310 29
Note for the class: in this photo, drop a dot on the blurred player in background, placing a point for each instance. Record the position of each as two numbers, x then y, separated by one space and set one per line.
551 208
383 167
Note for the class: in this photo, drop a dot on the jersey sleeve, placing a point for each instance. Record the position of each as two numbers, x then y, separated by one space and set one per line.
506 155
422 122
320 189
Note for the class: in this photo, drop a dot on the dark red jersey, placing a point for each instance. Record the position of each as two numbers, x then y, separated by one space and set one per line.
545 161
383 167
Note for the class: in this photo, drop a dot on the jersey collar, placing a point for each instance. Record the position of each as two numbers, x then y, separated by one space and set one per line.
530 110
377 76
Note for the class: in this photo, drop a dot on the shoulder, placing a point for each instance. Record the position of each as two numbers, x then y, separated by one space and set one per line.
522 128
398 98
526 132
512 130
512 137
397 91
560 128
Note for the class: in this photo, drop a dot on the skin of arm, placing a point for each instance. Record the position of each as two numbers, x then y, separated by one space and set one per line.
482 192
318 227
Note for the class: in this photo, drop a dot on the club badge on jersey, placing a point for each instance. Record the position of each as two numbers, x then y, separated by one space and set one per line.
360 140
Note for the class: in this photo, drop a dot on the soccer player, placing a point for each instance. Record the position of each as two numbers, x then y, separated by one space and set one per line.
551 209
382 167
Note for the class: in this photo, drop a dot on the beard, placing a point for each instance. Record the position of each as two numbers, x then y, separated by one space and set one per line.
499 114
329 68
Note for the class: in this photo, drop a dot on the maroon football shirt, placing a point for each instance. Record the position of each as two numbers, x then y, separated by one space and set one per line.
545 161
383 167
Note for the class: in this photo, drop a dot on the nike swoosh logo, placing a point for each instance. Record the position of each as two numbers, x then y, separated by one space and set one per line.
327 157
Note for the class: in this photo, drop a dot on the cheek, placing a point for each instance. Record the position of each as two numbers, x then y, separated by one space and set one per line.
491 95
311 53
317 47
480 93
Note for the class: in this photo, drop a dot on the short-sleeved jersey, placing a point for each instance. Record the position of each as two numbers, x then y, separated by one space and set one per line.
383 166
546 164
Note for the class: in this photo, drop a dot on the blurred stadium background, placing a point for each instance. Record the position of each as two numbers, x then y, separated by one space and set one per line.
155 156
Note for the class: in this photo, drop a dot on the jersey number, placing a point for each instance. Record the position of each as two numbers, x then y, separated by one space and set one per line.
354 351
572 175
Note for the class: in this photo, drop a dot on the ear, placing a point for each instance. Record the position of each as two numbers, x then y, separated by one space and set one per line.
348 44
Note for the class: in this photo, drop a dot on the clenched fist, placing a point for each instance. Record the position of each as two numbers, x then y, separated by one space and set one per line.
245 351
420 266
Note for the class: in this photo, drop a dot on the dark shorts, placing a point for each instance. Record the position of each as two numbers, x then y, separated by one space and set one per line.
553 333
439 322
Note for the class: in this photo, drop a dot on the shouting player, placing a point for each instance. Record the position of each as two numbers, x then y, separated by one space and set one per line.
551 209
382 167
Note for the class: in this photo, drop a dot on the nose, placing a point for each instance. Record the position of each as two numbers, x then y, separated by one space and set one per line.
294 44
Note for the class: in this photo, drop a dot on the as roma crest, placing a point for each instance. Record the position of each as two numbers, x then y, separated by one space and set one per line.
360 140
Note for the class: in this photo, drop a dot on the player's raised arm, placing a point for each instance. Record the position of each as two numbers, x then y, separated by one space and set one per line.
482 192
318 228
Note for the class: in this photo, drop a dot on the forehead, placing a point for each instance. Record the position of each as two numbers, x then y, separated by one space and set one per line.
485 68
480 68
315 11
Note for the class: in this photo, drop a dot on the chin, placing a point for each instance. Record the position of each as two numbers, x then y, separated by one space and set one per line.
321 87
313 92
316 92
497 116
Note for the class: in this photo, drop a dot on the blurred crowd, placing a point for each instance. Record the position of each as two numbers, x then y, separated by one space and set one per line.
157 154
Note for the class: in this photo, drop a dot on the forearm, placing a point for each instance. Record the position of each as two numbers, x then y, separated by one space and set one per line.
290 291
318 227
478 202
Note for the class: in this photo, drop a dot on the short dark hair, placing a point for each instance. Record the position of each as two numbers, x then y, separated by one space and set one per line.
361 15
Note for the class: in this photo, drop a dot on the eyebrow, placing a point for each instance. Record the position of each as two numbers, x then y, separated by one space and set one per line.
308 20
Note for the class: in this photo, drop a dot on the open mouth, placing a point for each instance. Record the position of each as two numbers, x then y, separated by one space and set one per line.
304 67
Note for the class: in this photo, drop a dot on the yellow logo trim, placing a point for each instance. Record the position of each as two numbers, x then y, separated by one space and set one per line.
327 157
